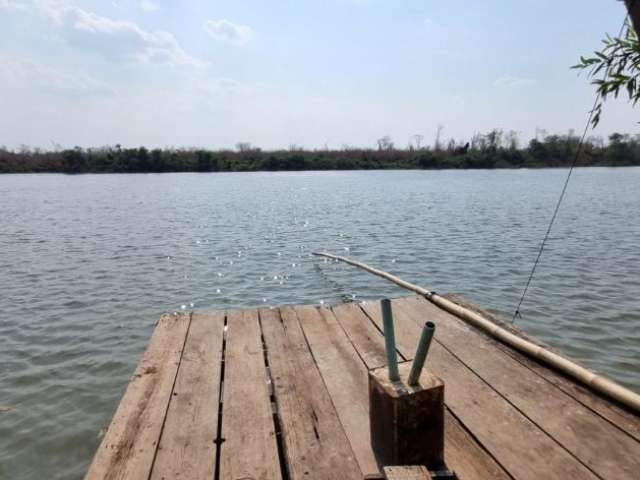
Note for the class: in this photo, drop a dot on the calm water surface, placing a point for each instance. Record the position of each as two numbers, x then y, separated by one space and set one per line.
88 264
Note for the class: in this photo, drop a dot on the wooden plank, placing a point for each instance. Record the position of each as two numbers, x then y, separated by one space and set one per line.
463 454
608 451
187 447
620 417
249 449
315 443
129 446
518 444
364 335
345 377
413 472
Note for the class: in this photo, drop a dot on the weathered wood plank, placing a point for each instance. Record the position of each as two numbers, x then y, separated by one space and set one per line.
413 472
465 455
316 445
187 449
618 416
462 453
345 377
500 405
518 444
364 335
609 452
249 449
129 446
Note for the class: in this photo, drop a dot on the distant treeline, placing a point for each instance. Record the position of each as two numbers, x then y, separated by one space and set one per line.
493 150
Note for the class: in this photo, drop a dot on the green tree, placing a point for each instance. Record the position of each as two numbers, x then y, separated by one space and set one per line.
616 67
204 160
73 161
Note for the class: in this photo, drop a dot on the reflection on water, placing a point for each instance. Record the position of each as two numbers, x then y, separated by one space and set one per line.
90 262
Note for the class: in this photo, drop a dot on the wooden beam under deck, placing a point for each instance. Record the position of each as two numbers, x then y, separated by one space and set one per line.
282 394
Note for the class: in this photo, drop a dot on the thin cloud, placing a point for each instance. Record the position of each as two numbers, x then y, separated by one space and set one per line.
13 5
229 32
126 40
511 81
114 39
149 6
20 73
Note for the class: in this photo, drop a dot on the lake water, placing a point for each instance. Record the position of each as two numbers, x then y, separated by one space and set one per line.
89 263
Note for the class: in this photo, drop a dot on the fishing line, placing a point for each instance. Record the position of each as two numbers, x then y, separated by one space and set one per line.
564 190
336 287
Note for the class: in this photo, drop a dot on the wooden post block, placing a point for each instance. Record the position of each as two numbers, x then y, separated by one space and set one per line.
415 472
407 421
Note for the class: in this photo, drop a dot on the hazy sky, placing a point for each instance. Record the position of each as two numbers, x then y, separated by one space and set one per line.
312 73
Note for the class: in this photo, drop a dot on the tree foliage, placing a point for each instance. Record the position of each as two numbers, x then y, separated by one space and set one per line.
614 69
491 150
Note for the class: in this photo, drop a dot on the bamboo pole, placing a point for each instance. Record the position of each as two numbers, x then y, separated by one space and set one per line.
603 385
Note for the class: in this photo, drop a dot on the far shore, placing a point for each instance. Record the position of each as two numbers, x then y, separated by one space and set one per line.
484 152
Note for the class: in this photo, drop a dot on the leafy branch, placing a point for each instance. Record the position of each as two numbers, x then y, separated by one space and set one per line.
619 64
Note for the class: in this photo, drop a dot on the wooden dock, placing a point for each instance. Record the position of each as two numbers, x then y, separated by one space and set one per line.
282 394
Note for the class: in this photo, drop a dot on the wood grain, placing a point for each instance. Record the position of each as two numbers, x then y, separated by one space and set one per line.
129 446
249 449
502 430
413 472
506 415
609 452
187 447
316 445
463 454
617 415
345 377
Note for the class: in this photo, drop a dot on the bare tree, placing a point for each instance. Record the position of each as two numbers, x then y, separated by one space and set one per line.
494 138
437 145
243 146
385 143
417 140
541 134
512 140
596 141
451 146
477 141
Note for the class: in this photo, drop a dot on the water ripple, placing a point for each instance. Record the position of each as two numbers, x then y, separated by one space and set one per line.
90 262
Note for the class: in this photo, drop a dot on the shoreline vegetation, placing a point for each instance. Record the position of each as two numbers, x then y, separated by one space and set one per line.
488 151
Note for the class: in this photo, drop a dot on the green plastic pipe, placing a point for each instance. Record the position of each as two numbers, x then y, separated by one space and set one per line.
421 352
389 340
599 383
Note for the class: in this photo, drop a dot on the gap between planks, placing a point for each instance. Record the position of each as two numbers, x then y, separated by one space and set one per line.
314 441
616 415
606 450
129 447
511 438
334 351
187 447
249 449
463 453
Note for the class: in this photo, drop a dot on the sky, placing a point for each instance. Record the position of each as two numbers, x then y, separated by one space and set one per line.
316 74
